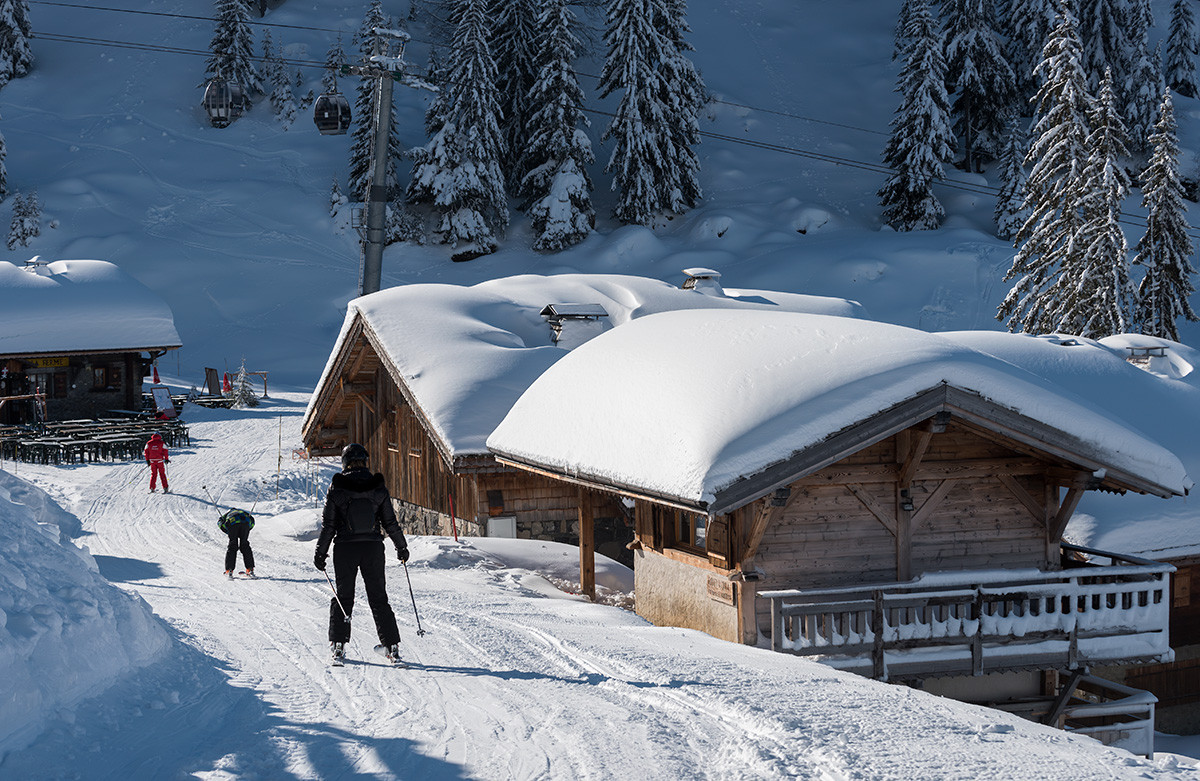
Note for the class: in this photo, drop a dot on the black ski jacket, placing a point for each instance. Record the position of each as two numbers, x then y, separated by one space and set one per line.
345 488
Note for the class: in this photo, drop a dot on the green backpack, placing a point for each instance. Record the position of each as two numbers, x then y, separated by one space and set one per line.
232 517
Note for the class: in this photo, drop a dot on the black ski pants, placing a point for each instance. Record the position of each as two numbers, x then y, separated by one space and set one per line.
350 558
239 539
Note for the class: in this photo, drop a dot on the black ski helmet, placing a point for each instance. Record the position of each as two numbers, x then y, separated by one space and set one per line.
354 455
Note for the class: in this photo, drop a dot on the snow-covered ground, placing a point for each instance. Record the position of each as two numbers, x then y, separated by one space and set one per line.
512 679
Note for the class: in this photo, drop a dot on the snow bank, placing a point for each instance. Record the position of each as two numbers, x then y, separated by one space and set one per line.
65 632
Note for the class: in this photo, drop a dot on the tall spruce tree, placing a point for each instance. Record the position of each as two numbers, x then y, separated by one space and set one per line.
921 139
1048 240
1105 32
335 58
980 76
16 58
279 80
1093 292
635 50
512 42
1182 46
362 135
557 188
458 172
683 92
232 47
1143 94
1011 211
1166 248
1029 23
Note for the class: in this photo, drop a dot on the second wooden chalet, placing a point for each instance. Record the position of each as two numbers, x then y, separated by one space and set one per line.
421 374
77 336
886 500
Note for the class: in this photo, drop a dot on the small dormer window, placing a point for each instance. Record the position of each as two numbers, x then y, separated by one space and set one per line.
703 280
573 324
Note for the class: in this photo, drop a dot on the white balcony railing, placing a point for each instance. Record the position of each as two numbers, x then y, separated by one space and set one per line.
974 622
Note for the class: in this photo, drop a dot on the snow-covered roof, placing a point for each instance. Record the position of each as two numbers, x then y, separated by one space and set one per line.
684 404
466 354
79 306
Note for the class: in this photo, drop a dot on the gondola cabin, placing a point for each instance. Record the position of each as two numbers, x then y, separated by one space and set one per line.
223 101
331 113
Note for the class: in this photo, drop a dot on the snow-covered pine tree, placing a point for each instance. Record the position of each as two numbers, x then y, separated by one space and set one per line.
16 236
684 93
279 80
1105 33
921 140
26 222
362 148
1029 23
1054 188
458 171
512 43
1011 212
1165 249
232 47
1182 46
557 188
16 58
335 58
980 76
1143 93
636 51
244 394
1093 293
903 20
3 168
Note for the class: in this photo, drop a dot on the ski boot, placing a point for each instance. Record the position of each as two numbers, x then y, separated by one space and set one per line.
391 653
229 574
337 654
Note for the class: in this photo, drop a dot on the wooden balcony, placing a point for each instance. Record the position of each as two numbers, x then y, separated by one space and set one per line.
1109 609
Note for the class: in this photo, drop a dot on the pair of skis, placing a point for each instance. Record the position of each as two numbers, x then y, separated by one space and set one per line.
245 573
338 657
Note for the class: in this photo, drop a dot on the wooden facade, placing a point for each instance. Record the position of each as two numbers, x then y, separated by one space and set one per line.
74 385
365 400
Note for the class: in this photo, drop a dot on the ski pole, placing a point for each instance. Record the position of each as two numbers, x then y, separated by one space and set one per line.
420 631
335 597
211 501
138 476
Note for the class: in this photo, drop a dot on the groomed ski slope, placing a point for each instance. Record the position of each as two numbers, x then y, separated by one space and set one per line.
513 679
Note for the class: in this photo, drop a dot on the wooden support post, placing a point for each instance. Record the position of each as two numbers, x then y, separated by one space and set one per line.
587 545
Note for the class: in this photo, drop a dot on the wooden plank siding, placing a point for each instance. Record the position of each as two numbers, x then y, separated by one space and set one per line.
839 527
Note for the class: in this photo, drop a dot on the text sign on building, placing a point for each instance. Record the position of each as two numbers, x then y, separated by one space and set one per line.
49 363
720 590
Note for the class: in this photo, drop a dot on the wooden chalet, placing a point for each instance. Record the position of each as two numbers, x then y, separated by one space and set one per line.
422 374
367 400
921 543
78 339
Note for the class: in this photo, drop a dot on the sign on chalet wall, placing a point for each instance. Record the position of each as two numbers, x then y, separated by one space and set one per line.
720 590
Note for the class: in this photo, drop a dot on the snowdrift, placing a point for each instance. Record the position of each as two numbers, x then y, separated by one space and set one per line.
65 632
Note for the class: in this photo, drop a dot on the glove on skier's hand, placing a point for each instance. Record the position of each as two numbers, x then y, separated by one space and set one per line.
319 561
402 554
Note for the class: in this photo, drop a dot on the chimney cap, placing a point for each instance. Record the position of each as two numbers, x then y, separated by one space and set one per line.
574 311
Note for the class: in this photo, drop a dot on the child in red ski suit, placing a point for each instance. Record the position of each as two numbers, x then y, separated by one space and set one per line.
157 458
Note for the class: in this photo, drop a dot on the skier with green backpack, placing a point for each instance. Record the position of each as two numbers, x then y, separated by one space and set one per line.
237 525
358 512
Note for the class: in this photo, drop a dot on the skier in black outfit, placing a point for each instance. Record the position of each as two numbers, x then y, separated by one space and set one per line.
358 511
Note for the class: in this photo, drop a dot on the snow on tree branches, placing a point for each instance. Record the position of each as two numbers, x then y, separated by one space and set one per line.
1182 45
921 136
232 47
458 171
16 58
1166 248
557 186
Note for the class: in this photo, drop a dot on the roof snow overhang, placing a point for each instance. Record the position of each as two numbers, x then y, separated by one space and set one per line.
964 407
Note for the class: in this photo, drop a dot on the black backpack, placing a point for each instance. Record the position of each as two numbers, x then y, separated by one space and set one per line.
360 515
234 516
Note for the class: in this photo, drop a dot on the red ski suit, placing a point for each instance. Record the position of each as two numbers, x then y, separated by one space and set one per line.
157 458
